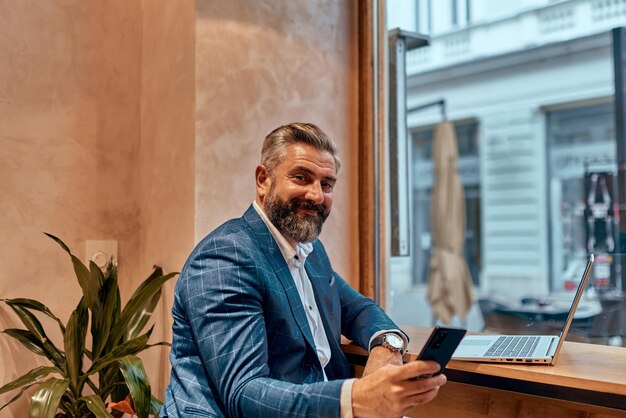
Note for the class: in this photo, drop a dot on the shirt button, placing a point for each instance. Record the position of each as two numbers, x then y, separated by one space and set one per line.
310 307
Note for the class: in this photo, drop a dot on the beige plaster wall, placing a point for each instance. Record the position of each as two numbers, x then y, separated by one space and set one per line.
142 122
69 123
261 64
166 195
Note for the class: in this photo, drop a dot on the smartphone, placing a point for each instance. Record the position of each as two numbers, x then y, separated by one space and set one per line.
440 346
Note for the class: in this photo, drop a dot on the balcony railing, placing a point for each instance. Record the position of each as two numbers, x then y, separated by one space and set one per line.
527 29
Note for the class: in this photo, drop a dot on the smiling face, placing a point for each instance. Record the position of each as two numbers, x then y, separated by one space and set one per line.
297 194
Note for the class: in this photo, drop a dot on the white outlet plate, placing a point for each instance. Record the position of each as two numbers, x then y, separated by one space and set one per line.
100 251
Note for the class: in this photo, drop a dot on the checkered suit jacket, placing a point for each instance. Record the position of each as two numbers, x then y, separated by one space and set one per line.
241 341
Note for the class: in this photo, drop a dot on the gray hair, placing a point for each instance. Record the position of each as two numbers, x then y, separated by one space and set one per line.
276 143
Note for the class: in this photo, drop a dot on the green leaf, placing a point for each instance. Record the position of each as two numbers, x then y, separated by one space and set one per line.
116 338
95 405
139 306
30 321
19 395
137 382
45 401
58 241
165 343
75 343
34 376
138 321
133 346
90 287
155 406
34 326
117 314
97 277
36 306
104 315
27 339
67 405
116 386
157 272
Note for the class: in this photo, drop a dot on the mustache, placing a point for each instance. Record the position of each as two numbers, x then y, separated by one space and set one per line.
307 205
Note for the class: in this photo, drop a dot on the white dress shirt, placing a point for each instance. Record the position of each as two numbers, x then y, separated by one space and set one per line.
295 259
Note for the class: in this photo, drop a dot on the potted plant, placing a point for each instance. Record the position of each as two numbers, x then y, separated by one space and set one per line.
80 380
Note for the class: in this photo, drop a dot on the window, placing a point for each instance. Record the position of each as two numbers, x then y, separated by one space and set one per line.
534 122
454 12
422 16
422 169
582 167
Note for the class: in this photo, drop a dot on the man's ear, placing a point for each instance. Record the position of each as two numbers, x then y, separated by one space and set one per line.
263 181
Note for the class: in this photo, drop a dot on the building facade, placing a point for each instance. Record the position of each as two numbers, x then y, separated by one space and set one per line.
529 87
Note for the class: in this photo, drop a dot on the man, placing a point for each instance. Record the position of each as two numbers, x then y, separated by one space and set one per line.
258 309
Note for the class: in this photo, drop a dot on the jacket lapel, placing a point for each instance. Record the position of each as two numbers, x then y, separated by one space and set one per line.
277 261
322 289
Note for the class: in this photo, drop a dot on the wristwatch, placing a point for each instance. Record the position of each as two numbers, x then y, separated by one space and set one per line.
390 341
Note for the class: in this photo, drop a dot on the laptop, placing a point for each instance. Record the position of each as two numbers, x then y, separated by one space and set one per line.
524 349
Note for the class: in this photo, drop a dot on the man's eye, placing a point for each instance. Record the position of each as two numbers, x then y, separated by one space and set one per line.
299 177
328 186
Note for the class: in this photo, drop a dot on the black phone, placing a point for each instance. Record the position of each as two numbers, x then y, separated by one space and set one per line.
440 346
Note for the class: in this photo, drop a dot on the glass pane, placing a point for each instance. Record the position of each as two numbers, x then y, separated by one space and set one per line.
597 319
528 89
468 166
582 168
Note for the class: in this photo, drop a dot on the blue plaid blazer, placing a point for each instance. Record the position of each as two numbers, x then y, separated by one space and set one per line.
241 341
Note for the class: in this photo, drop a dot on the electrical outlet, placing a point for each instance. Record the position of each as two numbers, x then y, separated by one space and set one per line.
101 251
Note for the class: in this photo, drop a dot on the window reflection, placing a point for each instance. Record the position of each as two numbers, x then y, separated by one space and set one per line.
582 167
468 167
530 92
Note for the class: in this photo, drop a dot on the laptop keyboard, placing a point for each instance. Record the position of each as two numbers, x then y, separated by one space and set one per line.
510 346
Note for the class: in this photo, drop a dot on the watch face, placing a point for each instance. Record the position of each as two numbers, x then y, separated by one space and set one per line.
394 341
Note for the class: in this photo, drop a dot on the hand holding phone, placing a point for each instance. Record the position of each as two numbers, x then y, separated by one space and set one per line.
440 346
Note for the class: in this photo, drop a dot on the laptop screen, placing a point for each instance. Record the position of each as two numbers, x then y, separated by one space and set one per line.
570 316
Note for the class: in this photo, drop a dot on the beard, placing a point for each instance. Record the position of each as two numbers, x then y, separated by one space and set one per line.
300 227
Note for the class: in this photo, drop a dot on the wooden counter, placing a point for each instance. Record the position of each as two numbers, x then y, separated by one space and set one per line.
587 381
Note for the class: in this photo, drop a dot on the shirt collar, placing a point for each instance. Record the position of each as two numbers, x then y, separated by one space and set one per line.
303 249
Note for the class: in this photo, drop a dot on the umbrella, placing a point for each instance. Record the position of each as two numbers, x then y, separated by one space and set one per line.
449 283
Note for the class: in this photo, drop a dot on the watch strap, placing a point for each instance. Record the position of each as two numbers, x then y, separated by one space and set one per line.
381 339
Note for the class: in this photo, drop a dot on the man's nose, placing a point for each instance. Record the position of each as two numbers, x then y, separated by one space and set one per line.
315 193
